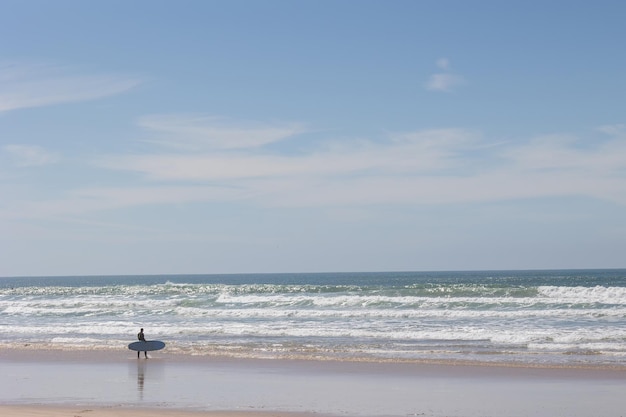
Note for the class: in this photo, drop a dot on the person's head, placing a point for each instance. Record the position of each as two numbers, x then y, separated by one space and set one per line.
142 330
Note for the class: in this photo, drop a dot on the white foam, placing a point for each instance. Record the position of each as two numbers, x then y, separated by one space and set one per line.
455 320
579 295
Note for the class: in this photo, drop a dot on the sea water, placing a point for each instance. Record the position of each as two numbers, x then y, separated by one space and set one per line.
560 318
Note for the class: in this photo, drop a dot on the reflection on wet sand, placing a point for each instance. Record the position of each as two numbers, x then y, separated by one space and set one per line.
148 374
141 376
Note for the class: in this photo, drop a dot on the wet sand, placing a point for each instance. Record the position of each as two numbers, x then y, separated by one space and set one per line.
56 411
108 383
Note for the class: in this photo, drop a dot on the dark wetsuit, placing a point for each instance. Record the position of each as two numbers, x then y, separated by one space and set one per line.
141 337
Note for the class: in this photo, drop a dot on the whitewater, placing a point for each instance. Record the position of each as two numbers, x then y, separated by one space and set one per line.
545 318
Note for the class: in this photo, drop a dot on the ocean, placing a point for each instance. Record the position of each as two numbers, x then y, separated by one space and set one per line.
536 318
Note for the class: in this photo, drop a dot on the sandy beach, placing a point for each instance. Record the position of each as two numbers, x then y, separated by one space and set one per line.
55 411
108 383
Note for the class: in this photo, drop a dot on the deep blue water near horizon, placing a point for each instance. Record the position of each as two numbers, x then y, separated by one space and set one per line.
555 317
582 277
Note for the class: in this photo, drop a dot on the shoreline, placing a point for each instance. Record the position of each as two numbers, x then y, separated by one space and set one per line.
117 383
83 354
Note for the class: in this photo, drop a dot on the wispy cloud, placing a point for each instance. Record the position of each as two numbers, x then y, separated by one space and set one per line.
30 155
436 166
197 132
617 131
424 151
28 85
445 80
421 167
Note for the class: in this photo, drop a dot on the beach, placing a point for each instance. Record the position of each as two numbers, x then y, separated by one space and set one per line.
41 411
106 383
446 344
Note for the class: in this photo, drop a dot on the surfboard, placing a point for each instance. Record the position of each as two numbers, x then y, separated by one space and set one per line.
146 346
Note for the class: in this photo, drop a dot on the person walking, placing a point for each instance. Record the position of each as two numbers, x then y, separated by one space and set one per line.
142 337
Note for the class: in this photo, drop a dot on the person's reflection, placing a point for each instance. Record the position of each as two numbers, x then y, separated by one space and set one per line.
141 375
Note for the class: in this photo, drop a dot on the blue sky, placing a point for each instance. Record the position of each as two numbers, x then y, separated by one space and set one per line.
157 137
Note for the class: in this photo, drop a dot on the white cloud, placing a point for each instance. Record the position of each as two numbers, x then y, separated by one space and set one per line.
30 155
566 153
422 167
438 166
418 152
27 85
618 130
86 200
443 63
196 132
444 81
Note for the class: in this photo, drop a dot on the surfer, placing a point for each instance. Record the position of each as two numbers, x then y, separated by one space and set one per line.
141 337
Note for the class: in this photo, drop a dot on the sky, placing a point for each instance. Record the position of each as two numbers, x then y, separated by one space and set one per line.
206 137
